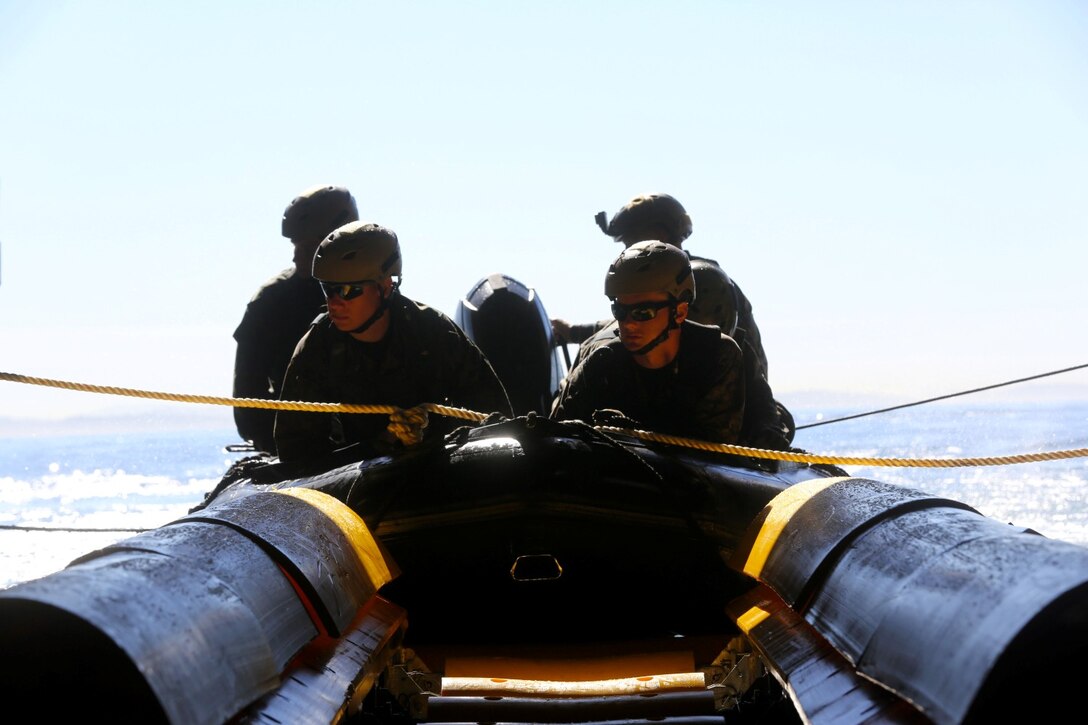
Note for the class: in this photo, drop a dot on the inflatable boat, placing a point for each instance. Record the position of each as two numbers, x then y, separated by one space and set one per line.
530 570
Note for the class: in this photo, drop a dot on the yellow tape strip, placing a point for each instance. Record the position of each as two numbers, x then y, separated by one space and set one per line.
751 619
362 541
781 509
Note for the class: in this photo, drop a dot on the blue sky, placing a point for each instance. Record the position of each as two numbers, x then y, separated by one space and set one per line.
899 187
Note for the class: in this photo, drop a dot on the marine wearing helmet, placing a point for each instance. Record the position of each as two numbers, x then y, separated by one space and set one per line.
648 216
375 346
317 211
662 372
283 308
635 282
355 258
720 302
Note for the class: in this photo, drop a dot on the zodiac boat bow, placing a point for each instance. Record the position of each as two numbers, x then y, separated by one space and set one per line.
529 570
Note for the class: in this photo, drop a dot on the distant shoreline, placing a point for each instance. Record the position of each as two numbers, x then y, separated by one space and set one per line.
117 423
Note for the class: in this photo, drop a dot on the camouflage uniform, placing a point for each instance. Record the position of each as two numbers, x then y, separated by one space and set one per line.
767 423
423 358
746 333
274 320
700 394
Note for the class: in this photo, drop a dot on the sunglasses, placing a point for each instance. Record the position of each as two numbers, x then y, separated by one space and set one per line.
639 311
344 290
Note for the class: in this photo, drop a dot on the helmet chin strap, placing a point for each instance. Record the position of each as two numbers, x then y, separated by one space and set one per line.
382 307
663 336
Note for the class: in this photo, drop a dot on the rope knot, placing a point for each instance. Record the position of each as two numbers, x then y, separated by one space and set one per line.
408 424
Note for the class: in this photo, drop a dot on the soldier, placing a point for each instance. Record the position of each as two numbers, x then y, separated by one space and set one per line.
376 346
283 308
663 371
767 423
661 217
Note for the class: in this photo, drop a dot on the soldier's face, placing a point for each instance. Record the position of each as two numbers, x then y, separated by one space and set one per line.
349 314
635 332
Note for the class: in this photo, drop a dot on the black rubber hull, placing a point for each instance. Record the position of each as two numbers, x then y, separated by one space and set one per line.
866 601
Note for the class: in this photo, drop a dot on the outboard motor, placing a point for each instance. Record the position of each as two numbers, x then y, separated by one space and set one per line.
508 323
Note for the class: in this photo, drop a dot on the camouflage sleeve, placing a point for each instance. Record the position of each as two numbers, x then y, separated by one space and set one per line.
584 330
767 424
566 405
304 434
719 414
581 392
575 333
472 382
605 333
749 332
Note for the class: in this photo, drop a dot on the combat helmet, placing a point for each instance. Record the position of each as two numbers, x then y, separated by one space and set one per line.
651 266
358 252
648 216
717 301
316 212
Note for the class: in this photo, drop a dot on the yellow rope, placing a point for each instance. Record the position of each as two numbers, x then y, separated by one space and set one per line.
400 417
850 460
241 402
407 425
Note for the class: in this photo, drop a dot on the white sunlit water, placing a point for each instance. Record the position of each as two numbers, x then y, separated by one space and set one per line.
72 494
1050 497
119 483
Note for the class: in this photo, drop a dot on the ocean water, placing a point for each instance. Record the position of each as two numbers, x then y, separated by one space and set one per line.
1050 497
64 495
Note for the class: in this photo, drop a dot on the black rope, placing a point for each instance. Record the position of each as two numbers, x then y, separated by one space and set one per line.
941 397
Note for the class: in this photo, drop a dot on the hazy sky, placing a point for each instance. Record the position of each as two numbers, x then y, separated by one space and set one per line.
900 188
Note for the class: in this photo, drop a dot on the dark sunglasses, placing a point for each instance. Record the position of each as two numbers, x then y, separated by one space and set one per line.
639 311
343 290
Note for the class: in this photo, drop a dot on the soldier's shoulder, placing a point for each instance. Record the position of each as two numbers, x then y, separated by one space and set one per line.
422 313
701 331
428 323
707 337
605 352
278 286
603 336
321 334
699 258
